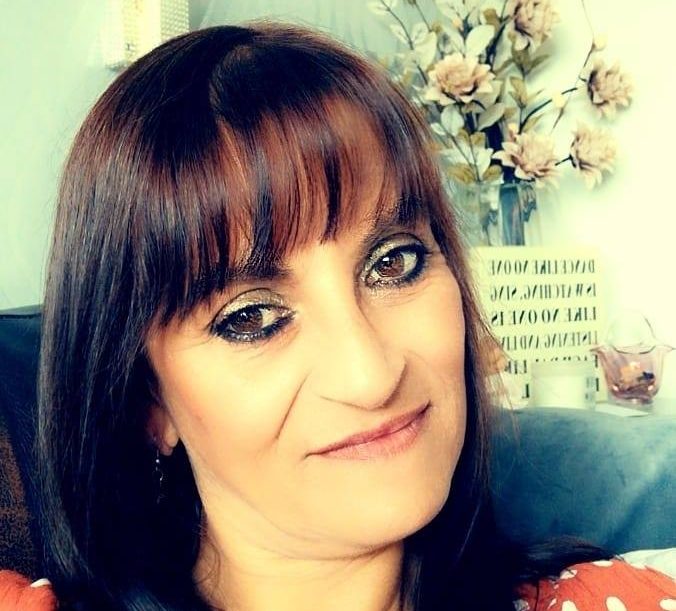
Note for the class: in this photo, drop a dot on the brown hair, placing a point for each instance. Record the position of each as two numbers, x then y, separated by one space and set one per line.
220 150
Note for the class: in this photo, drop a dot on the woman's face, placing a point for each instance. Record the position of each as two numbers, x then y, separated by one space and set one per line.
362 329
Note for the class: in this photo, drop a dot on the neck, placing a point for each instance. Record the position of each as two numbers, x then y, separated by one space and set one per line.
258 580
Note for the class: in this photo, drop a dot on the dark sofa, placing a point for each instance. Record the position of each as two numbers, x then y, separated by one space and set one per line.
608 479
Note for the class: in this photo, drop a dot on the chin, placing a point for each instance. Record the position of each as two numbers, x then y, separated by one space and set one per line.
381 521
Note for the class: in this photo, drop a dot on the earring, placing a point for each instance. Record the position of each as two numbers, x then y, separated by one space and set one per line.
158 476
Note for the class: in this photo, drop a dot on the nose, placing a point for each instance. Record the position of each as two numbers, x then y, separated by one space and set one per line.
355 363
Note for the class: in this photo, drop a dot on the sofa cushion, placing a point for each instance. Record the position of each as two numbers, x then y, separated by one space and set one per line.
16 546
19 348
605 478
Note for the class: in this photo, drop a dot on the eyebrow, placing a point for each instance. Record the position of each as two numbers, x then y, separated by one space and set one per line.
267 269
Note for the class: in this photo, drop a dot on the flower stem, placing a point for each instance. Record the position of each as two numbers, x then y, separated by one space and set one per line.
462 153
539 107
578 77
569 158
502 12
584 64
427 24
493 47
459 149
408 38
470 130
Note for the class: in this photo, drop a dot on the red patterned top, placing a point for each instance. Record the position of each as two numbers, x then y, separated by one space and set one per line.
605 585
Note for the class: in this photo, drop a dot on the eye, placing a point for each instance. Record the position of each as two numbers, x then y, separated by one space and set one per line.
259 322
397 266
255 322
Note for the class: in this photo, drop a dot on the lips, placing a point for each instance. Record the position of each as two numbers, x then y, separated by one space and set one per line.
384 429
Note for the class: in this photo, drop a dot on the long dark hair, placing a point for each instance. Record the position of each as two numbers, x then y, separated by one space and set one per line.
220 139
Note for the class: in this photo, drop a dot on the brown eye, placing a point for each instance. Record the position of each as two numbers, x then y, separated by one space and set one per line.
247 321
253 323
398 266
392 265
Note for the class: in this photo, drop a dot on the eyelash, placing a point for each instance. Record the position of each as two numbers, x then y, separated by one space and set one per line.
221 328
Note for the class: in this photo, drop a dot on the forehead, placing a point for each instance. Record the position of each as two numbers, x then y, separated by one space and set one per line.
355 238
293 181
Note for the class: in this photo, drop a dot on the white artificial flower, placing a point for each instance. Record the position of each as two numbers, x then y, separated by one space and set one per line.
531 22
531 155
457 78
608 88
592 151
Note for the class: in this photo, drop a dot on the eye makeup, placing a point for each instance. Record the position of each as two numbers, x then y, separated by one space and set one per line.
257 315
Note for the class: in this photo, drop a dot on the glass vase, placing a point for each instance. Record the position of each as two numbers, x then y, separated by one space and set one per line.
632 359
493 214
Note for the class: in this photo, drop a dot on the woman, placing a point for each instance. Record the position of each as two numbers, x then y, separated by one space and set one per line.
254 260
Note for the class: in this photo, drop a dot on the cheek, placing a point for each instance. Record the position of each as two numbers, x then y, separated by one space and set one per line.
434 329
223 413
435 335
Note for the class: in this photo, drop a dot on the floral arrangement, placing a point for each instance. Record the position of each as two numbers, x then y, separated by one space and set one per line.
472 71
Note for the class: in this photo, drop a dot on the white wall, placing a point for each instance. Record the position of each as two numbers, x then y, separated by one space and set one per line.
52 72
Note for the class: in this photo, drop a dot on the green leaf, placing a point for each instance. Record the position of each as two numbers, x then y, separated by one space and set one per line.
504 65
437 27
451 119
447 8
418 33
510 112
534 96
452 40
491 115
377 7
522 59
531 123
478 39
478 139
438 129
462 173
426 49
491 17
473 107
519 86
400 33
492 173
516 98
539 59
463 136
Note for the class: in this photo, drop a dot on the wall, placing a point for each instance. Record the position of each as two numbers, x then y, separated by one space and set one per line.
56 72
51 73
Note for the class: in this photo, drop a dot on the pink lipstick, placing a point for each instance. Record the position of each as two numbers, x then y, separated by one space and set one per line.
389 439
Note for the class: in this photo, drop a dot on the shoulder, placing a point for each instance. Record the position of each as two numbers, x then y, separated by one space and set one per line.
17 592
604 585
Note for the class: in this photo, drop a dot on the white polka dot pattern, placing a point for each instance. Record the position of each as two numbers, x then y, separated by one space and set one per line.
615 604
602 585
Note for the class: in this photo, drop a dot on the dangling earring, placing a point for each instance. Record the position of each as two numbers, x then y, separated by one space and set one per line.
158 475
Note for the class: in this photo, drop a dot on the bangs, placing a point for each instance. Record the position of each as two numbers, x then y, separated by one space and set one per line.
301 146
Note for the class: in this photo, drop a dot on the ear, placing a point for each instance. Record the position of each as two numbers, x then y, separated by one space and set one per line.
161 429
